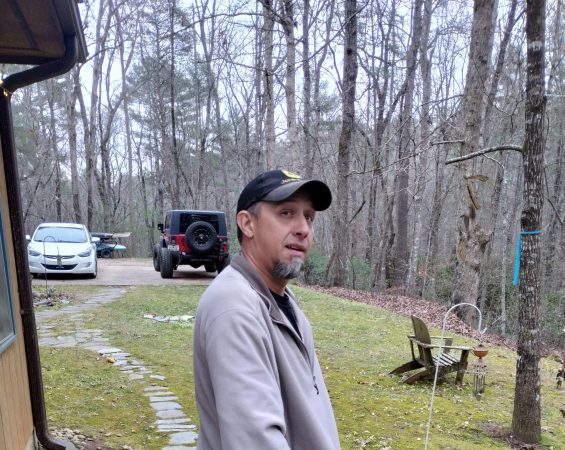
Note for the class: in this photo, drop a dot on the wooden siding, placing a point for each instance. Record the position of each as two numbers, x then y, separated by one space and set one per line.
16 422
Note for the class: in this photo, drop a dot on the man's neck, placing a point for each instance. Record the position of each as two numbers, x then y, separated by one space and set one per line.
277 285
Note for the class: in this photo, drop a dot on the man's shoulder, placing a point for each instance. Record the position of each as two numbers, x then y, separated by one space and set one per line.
229 290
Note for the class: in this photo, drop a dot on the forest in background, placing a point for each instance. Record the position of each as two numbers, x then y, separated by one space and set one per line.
182 102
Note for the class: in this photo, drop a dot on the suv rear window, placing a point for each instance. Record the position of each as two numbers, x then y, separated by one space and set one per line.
186 219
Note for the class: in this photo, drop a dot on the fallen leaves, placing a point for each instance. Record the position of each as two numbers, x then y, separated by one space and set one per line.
430 312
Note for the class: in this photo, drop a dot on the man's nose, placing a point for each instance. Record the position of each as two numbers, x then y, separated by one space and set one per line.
302 226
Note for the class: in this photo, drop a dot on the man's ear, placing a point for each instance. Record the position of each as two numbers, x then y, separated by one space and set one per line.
245 223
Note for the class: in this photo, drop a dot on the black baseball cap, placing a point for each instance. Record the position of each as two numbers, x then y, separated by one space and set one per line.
279 185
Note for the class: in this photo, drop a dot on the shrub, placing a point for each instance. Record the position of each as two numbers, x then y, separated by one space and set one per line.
315 267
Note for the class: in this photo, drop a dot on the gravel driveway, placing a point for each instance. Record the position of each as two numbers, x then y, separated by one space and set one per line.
131 272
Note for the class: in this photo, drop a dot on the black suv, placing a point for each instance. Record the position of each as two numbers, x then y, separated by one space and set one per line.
191 237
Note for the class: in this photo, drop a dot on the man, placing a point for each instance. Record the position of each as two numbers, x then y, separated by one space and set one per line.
258 381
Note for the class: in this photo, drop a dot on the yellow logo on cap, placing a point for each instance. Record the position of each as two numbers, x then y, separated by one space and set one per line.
292 175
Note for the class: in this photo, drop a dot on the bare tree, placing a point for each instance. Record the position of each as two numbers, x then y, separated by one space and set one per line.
401 254
268 90
340 245
472 237
307 92
70 108
425 132
287 22
526 418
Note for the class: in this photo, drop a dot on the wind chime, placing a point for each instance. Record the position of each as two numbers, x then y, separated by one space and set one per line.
479 370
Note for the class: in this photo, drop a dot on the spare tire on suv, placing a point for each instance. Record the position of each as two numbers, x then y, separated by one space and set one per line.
192 237
201 237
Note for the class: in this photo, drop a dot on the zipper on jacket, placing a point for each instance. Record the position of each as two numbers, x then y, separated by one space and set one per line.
305 350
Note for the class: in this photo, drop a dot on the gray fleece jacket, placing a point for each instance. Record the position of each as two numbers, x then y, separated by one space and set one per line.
258 383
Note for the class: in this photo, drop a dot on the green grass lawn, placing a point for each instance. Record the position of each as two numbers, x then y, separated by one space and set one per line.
357 345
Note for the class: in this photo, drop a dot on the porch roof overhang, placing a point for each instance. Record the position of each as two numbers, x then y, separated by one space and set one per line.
35 32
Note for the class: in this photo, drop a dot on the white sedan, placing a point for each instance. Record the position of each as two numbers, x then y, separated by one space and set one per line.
64 248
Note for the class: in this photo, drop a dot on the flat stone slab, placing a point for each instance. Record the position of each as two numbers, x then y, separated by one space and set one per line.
172 421
155 388
110 350
130 367
135 376
163 398
183 318
157 377
170 414
120 362
162 406
158 393
92 346
186 437
122 355
178 427
179 447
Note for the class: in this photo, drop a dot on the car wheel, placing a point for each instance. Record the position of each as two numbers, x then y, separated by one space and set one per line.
201 236
223 264
106 253
210 267
157 258
166 263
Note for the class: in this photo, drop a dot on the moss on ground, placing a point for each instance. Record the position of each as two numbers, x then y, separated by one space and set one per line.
358 345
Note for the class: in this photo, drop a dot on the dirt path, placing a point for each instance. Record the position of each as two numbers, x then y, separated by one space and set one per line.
132 272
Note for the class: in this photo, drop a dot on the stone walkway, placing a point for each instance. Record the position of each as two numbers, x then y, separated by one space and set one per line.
170 418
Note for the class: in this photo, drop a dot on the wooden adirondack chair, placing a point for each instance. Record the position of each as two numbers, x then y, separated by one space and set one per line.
431 352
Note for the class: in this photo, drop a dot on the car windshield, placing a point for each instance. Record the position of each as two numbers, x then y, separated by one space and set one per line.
60 234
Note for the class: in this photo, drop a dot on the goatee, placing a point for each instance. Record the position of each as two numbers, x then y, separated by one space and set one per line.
287 271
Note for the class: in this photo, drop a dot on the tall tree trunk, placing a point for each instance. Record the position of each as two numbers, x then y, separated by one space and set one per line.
287 22
381 84
308 161
70 107
125 63
401 253
257 158
472 237
558 200
501 59
323 52
526 418
269 93
555 236
509 214
54 148
412 285
208 44
500 172
341 208
90 119
438 196
176 166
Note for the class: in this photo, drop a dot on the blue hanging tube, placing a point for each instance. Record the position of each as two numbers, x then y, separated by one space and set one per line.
518 253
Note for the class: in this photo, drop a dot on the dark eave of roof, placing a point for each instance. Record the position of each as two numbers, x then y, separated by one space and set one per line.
34 31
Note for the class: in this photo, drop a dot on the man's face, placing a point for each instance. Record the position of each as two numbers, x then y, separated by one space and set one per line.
281 236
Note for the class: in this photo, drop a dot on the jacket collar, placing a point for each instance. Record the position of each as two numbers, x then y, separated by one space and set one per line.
240 263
